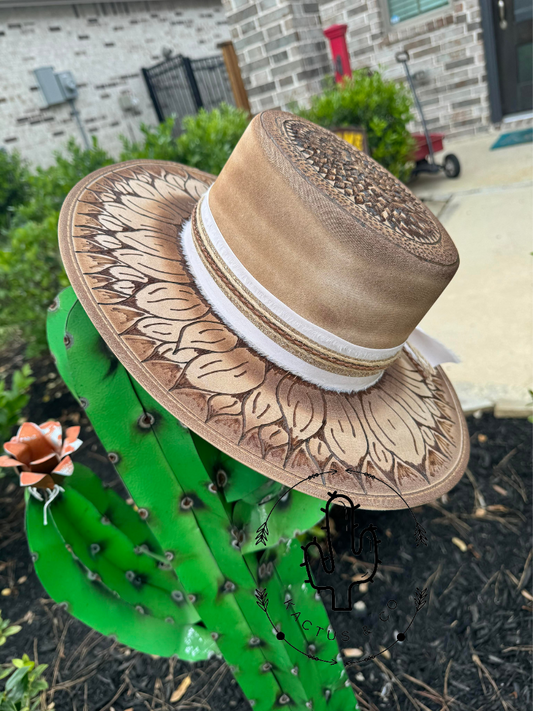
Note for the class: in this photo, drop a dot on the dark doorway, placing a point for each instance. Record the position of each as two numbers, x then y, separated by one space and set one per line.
514 48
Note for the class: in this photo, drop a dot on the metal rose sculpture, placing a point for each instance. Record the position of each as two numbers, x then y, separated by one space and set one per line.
42 458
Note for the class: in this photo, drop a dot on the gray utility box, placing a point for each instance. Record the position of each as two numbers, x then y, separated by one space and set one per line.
68 84
56 88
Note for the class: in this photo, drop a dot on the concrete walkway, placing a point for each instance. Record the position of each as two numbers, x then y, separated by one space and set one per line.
486 314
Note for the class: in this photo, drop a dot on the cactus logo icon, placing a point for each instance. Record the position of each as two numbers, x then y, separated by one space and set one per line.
327 559
321 563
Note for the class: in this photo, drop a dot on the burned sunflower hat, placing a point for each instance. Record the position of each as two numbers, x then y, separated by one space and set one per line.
274 310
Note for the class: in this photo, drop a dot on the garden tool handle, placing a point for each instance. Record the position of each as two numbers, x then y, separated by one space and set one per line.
403 56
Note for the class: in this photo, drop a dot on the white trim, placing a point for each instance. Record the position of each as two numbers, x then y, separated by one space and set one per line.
429 348
255 338
308 329
523 116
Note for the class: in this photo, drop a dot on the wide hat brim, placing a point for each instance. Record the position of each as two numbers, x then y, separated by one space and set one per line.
404 441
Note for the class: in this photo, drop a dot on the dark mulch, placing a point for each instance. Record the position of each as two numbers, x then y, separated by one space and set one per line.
468 650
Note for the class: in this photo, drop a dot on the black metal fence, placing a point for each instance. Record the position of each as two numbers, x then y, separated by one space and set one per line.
181 86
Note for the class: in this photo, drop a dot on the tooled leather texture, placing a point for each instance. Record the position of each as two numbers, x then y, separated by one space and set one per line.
361 185
122 252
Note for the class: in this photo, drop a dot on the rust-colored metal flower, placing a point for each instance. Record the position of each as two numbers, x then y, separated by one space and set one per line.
41 454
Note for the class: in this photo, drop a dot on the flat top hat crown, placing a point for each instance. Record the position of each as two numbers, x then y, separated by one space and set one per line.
331 222
274 310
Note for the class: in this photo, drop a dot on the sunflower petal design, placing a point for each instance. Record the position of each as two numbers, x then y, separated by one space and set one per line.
405 431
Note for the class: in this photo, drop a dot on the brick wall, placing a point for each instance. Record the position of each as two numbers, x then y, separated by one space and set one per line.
447 46
283 56
104 46
281 49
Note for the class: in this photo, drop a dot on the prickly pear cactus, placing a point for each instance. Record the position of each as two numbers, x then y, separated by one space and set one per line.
181 576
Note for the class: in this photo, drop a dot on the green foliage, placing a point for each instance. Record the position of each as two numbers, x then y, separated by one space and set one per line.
210 137
12 402
206 143
31 272
158 143
14 186
50 186
23 685
382 107
7 629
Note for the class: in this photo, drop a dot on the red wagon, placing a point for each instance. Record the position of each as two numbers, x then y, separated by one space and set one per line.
422 150
427 144
425 161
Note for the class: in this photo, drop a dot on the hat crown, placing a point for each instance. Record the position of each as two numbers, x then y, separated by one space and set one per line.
330 232
360 184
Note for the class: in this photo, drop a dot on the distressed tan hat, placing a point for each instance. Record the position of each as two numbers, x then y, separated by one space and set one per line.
274 310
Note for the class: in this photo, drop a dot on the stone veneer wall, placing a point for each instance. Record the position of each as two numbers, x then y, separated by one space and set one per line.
282 52
447 46
104 45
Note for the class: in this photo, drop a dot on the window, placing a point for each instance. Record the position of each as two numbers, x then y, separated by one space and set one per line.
400 10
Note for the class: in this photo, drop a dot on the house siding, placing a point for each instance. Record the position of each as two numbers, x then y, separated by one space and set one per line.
104 46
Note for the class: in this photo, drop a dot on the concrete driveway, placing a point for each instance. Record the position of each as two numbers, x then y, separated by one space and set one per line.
486 314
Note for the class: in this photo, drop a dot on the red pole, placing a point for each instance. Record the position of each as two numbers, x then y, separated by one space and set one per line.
336 35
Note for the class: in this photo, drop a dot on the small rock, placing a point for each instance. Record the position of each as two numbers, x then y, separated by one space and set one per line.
384 653
6 592
360 606
353 652
460 544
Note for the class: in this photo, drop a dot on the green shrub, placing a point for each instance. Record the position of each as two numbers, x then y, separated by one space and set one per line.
48 187
23 685
158 143
31 272
14 187
206 143
12 402
210 137
382 107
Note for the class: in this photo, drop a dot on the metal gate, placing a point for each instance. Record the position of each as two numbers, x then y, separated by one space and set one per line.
180 86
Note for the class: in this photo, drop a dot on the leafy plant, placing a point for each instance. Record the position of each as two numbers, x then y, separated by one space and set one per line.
7 629
31 272
48 187
14 186
381 106
24 685
206 143
210 137
159 143
12 402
